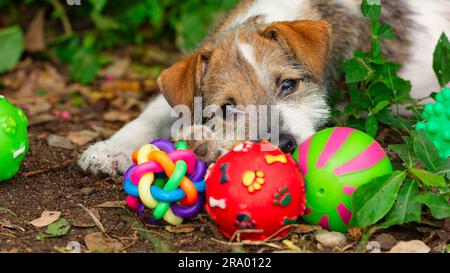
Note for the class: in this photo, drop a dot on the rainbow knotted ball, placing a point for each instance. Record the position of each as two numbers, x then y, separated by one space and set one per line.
336 161
167 179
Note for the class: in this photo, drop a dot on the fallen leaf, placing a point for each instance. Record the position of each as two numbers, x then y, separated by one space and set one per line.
355 232
112 204
56 141
121 86
47 217
180 228
301 228
55 229
414 246
102 131
117 69
291 245
97 242
117 116
41 119
82 137
35 36
39 107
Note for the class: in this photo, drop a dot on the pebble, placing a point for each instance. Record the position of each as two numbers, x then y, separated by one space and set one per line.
56 141
414 246
331 239
387 241
87 190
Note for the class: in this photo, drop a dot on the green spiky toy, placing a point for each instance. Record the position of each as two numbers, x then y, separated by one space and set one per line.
13 139
436 122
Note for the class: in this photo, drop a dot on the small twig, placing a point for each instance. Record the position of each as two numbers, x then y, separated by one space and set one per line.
6 234
238 233
53 168
64 18
94 218
151 231
8 225
133 239
251 243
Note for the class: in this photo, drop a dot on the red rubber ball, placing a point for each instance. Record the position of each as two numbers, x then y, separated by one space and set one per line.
257 188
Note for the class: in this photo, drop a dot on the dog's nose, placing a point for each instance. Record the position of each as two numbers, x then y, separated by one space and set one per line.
287 143
201 150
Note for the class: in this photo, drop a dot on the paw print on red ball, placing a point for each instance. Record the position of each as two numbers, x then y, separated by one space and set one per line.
255 186
282 197
244 221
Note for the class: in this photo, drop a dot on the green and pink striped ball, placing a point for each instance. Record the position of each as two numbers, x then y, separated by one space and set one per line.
334 162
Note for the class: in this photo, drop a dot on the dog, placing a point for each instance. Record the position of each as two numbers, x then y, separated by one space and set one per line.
283 53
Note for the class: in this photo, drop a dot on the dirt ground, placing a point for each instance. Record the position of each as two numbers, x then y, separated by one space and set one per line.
49 180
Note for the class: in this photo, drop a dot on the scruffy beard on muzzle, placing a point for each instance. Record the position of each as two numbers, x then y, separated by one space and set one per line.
303 117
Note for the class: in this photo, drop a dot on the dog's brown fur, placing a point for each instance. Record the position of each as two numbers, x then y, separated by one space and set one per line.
259 46
307 40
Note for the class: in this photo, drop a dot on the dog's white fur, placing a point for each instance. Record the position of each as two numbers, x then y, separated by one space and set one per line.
275 11
113 155
430 17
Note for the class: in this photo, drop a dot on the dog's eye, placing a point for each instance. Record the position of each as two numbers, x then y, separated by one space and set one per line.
288 87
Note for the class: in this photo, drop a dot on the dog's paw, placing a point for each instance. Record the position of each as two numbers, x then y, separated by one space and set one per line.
106 157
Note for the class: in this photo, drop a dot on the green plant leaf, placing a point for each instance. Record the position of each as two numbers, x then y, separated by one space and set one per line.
357 70
425 150
405 153
438 205
441 60
405 209
387 117
386 32
104 23
371 126
98 5
373 200
444 170
371 9
380 106
156 12
428 178
58 228
12 44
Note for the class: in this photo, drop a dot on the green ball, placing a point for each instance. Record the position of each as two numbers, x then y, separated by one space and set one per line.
13 139
335 162
436 122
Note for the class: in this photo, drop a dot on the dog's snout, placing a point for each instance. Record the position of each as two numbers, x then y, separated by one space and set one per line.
287 143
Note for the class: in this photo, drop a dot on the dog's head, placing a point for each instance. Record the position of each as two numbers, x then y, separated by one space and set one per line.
280 65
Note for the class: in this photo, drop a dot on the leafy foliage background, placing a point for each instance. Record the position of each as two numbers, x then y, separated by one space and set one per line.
373 91
80 33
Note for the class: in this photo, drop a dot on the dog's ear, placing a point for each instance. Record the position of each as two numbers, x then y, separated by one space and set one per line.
309 41
181 82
